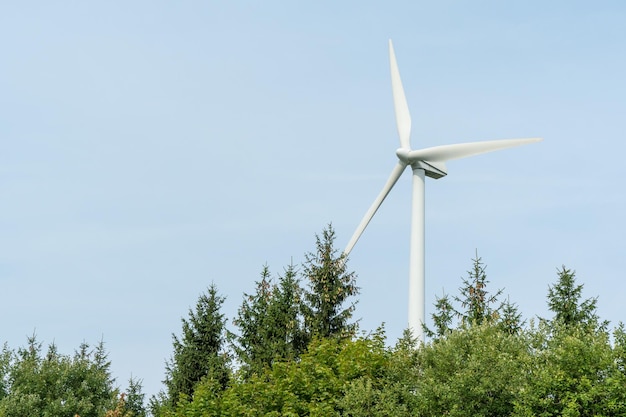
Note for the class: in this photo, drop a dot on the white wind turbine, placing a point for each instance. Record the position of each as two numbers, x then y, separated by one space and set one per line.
430 162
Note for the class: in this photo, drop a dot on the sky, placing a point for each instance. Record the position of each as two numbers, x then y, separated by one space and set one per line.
151 148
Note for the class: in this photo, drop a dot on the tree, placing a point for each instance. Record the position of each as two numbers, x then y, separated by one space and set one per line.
5 368
442 318
285 314
58 385
510 319
198 353
314 385
330 287
572 371
474 297
269 322
134 399
564 301
473 371
391 390
253 320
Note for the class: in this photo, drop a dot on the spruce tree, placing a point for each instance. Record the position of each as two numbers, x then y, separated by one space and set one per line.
285 316
442 318
269 322
198 353
330 287
564 300
134 400
476 301
510 319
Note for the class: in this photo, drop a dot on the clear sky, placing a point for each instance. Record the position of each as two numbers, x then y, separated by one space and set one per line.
149 148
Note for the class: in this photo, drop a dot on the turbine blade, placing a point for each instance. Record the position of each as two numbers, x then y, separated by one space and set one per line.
403 118
393 178
463 150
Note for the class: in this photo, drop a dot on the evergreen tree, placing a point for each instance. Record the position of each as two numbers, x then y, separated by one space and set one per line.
564 300
251 320
285 316
53 384
474 298
269 322
199 351
442 318
510 318
330 287
134 399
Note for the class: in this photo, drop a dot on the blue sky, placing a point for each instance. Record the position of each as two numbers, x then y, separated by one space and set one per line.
148 149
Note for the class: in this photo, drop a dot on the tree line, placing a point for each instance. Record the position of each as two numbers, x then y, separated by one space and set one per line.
294 349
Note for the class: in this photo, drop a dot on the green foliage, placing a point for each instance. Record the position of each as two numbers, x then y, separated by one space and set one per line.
58 385
572 371
488 365
564 300
330 287
474 371
477 306
315 385
474 298
510 318
253 322
134 399
442 318
392 391
269 323
5 369
198 353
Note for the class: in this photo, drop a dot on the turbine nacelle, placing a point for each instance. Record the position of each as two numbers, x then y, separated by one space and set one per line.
432 169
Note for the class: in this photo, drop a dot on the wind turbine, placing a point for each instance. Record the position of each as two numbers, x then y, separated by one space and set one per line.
429 162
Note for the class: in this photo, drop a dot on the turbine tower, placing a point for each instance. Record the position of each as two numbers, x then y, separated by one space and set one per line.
429 162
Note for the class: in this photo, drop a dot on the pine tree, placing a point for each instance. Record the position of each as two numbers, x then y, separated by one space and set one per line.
199 351
330 287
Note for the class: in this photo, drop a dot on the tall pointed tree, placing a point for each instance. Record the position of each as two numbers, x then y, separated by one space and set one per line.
285 316
476 301
134 400
328 308
442 318
269 322
510 319
199 352
564 299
